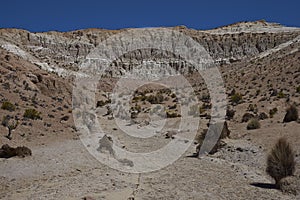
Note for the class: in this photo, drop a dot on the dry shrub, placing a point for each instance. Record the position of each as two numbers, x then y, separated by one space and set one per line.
281 161
7 151
253 124
8 106
246 117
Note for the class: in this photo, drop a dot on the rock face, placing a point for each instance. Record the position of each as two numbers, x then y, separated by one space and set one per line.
63 52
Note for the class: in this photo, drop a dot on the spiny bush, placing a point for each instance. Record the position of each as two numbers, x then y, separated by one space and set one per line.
8 106
253 124
32 114
291 114
281 161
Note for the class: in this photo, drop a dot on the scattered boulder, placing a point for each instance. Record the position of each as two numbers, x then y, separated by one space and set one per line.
64 118
291 114
214 141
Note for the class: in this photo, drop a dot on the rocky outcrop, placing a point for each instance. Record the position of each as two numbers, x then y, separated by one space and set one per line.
65 50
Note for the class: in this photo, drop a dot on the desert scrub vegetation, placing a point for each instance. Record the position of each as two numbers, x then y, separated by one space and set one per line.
253 124
247 116
298 89
10 124
272 112
262 116
7 151
155 99
281 161
236 98
32 114
252 108
6 105
291 114
102 103
172 114
281 95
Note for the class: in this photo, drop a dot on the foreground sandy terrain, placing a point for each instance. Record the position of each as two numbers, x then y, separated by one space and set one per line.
65 170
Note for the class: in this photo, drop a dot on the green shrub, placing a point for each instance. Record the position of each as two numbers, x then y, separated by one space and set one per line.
8 106
253 124
236 98
281 161
280 94
32 114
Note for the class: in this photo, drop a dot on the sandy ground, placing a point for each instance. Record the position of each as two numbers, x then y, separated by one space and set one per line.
65 170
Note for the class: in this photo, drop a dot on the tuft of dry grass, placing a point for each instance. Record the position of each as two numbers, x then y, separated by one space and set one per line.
253 124
281 161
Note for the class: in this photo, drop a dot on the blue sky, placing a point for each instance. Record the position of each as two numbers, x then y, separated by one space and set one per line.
65 15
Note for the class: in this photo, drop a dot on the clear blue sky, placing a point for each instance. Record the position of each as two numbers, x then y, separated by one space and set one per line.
65 15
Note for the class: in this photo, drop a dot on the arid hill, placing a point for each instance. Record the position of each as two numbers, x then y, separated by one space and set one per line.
260 66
